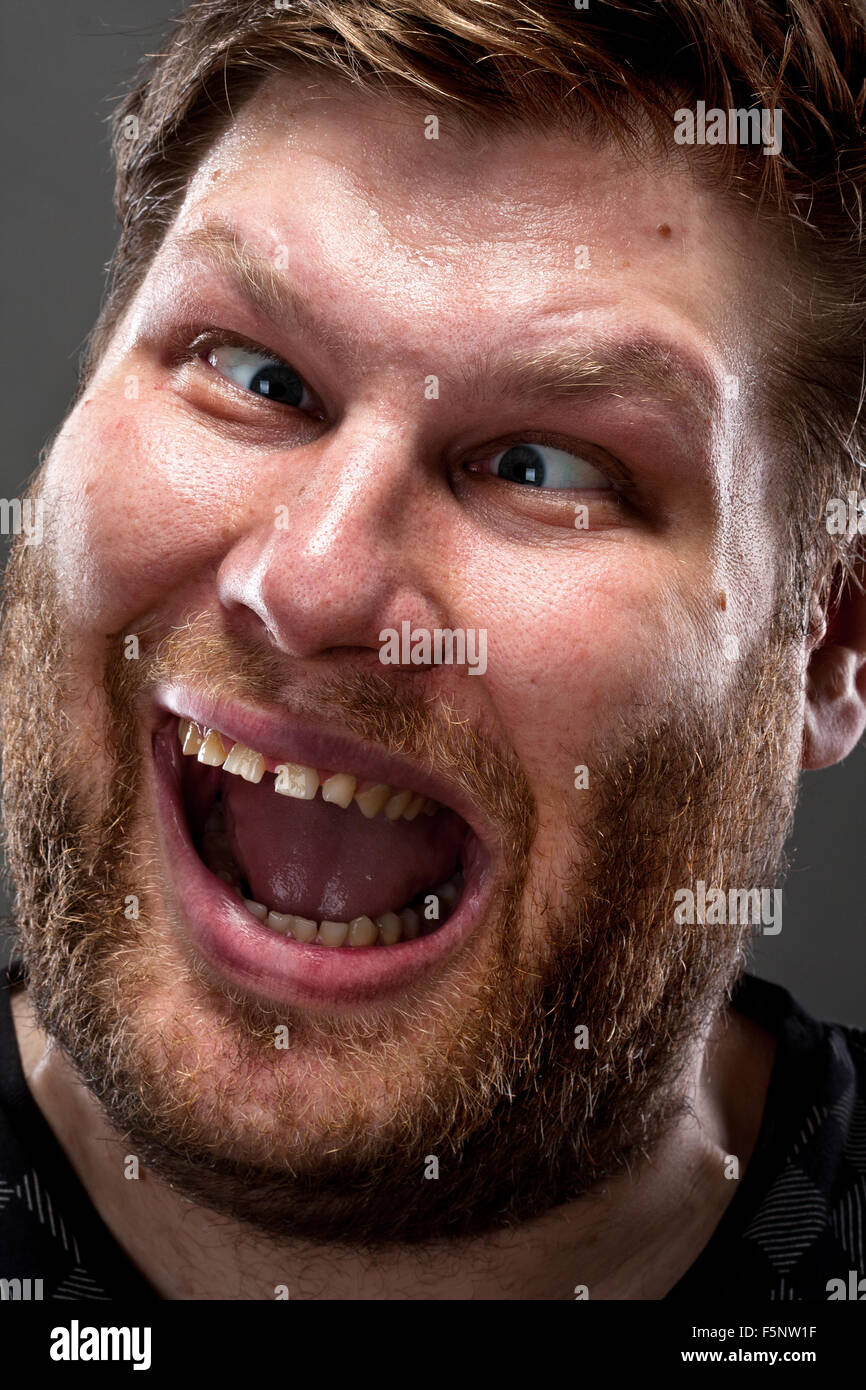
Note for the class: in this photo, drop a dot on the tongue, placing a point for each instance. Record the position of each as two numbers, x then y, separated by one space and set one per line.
318 860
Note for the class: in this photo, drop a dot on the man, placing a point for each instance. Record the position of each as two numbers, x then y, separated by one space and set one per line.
404 710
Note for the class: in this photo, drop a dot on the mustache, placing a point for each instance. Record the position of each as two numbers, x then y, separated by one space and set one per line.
206 658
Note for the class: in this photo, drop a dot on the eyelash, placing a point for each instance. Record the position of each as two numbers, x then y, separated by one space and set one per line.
209 338
610 466
193 345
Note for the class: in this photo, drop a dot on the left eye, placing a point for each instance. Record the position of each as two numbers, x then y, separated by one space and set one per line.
539 465
262 375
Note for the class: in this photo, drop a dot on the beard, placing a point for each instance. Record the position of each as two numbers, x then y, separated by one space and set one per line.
489 1072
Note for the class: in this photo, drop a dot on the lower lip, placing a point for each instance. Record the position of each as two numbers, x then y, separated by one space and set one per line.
259 961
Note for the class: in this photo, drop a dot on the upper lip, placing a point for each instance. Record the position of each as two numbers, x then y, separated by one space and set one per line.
284 736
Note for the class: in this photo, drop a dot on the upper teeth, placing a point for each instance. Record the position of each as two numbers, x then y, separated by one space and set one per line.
293 779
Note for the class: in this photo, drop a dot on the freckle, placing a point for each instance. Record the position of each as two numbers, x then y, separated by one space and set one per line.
723 600
664 229
217 173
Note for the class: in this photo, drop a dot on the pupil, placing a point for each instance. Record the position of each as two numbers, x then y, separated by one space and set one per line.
278 384
521 464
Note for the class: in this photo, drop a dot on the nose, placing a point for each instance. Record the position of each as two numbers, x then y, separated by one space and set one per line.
339 547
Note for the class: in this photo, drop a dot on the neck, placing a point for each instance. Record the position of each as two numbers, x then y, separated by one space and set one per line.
631 1238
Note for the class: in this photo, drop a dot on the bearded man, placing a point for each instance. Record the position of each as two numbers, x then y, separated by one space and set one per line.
347 965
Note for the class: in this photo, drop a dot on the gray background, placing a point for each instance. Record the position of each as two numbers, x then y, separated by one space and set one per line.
61 62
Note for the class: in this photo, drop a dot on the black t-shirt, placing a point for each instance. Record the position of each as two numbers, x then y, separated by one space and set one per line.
796 1223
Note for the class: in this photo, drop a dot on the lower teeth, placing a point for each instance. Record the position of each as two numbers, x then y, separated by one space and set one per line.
431 909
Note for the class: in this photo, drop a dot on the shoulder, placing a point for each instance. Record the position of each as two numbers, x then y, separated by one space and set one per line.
808 1224
796 1227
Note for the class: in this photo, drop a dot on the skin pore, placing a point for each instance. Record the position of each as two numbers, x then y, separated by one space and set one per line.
394 514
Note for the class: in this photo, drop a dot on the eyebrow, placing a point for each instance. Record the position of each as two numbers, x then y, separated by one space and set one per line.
641 366
256 279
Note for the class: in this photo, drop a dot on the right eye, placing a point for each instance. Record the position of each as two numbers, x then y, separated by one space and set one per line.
262 375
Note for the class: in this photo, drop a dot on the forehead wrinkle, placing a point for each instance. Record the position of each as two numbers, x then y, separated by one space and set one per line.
621 368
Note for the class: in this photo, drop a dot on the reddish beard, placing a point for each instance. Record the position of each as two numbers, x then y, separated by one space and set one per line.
519 1117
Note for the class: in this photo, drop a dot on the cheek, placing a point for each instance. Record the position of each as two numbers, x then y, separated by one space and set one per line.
135 514
570 645
577 647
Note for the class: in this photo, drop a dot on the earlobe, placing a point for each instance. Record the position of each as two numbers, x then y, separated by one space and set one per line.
835 714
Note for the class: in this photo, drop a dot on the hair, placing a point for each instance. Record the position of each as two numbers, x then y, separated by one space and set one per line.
615 70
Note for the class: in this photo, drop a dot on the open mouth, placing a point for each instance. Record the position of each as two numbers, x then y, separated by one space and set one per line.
320 856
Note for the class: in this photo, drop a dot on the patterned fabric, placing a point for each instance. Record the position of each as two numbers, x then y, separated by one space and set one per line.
795 1229
53 1244
38 1210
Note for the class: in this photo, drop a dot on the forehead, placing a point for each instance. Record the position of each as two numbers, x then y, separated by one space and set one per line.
538 214
475 254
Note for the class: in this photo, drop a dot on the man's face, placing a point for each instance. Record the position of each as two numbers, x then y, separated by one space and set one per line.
509 390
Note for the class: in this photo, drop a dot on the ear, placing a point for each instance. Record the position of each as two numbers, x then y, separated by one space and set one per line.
835 715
